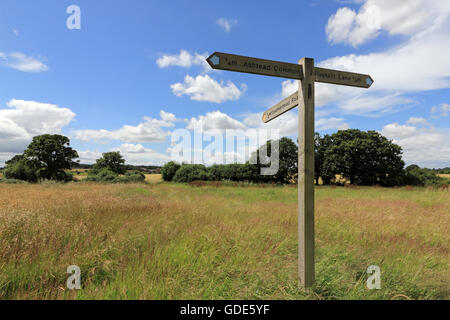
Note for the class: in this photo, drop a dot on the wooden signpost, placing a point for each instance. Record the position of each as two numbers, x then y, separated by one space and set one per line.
308 74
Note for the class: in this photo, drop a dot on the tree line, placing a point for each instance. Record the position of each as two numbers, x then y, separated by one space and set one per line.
50 157
347 156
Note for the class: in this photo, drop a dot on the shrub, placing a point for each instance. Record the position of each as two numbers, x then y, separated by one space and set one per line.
133 176
104 175
422 177
191 172
20 169
168 170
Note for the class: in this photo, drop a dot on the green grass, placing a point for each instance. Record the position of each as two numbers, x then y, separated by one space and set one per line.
174 241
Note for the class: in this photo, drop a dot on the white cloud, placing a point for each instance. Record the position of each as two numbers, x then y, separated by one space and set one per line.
167 116
150 130
5 156
135 154
205 88
287 123
226 24
371 104
418 121
15 31
404 17
339 25
22 62
331 123
420 63
184 59
395 130
426 147
131 148
214 122
24 119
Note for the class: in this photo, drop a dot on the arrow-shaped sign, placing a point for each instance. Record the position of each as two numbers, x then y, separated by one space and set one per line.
232 62
342 77
281 107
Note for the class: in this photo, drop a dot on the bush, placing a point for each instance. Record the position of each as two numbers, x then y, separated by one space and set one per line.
191 172
106 175
133 176
217 172
417 176
168 170
20 169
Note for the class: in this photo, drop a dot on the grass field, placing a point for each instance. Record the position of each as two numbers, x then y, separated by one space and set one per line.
168 241
153 178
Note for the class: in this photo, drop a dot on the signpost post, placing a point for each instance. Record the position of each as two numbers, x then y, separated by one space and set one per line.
308 74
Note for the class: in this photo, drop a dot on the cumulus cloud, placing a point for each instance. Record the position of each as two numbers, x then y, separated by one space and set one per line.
419 63
205 88
24 119
135 154
226 24
427 147
22 62
183 59
404 17
150 130
214 122
167 116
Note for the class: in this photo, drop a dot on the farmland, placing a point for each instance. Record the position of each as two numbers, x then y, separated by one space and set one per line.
218 241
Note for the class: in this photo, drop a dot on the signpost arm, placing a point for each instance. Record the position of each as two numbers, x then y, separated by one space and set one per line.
306 174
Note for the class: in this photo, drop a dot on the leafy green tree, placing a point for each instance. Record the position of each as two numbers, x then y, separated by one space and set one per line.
365 158
287 153
422 177
20 168
112 161
169 170
50 155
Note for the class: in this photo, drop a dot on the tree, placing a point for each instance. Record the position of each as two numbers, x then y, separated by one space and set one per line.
50 155
422 177
365 158
287 153
20 168
112 161
169 170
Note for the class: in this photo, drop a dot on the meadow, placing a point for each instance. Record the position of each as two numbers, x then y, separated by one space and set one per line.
174 241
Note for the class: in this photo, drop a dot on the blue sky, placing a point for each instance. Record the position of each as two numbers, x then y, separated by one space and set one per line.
135 71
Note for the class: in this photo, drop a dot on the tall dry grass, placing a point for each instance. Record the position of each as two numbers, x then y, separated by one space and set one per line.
169 241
